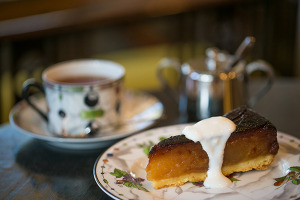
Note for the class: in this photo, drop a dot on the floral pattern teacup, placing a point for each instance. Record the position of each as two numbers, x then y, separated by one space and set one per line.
83 96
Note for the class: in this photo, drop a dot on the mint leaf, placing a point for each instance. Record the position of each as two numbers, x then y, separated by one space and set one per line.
147 150
295 169
162 138
280 178
91 114
128 184
291 176
296 181
233 179
118 173
142 188
146 147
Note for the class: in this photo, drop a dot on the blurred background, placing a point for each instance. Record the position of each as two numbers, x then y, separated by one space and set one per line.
138 33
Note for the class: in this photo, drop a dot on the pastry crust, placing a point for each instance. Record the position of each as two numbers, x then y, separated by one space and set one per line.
259 163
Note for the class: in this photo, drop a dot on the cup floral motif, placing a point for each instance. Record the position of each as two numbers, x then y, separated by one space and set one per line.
75 108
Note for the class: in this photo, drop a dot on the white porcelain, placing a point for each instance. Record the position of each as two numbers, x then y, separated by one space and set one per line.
139 112
127 155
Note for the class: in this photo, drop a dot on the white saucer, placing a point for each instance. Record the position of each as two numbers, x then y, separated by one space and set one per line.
140 111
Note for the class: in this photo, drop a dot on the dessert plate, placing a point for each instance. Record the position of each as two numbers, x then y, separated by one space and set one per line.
120 172
140 111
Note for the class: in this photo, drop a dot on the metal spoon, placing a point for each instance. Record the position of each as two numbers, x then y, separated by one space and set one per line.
241 52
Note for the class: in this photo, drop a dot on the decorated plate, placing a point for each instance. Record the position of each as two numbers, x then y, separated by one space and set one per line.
139 112
120 173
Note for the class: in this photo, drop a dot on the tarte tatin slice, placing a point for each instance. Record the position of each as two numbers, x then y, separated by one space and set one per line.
177 160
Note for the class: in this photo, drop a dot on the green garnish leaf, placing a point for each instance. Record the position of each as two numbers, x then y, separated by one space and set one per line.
291 176
138 186
129 184
295 169
296 181
280 178
162 138
91 114
142 188
147 150
146 147
118 173
234 179
128 180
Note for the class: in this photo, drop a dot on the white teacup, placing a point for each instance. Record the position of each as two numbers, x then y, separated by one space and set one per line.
83 96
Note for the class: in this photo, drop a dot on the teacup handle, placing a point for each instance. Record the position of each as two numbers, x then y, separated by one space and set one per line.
263 66
25 94
164 64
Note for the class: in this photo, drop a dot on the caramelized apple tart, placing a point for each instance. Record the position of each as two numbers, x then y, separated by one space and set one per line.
177 160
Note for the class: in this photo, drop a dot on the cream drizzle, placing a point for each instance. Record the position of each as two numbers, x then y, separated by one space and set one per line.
213 134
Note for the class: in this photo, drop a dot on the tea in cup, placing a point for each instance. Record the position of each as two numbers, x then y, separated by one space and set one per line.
83 96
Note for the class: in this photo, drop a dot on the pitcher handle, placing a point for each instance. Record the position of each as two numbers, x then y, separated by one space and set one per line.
260 65
168 63
25 94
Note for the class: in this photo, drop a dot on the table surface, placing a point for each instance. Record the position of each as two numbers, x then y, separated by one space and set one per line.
30 170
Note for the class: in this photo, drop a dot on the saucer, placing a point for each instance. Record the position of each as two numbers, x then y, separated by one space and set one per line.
128 160
139 111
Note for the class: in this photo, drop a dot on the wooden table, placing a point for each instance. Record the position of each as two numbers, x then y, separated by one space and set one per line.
30 170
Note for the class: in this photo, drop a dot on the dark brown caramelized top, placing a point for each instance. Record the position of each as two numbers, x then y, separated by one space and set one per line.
173 140
245 119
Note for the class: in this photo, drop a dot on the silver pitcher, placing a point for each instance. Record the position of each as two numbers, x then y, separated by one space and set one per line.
206 89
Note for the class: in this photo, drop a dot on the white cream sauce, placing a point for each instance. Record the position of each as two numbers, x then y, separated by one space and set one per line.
213 134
